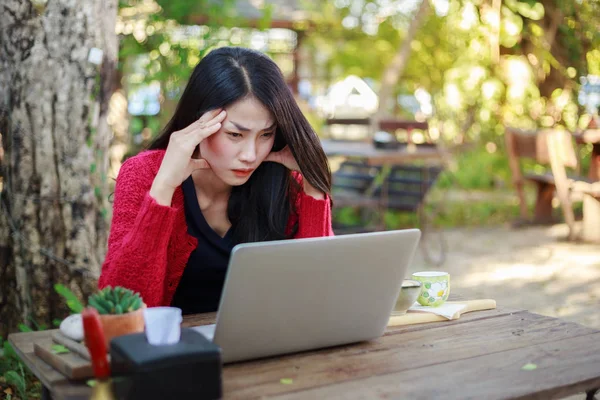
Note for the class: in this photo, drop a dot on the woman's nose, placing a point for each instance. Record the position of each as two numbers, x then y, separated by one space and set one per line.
248 153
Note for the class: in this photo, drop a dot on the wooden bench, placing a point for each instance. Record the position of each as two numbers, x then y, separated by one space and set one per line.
406 186
403 187
380 188
533 145
553 147
570 187
354 185
591 216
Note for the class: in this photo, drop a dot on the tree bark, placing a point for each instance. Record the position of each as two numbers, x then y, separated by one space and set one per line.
53 107
394 70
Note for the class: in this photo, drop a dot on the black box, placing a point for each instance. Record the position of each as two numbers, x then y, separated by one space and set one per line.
190 369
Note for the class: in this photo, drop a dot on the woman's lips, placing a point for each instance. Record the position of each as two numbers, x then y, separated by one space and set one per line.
242 173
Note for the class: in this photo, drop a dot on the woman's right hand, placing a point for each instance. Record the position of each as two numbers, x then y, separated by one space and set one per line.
178 164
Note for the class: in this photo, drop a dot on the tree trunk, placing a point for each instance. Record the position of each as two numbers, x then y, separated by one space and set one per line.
394 70
57 60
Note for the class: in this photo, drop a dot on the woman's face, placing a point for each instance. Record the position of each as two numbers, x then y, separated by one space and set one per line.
245 139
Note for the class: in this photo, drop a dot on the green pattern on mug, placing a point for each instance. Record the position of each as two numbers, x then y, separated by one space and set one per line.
436 289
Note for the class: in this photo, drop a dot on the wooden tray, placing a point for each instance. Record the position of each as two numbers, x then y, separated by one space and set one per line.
74 365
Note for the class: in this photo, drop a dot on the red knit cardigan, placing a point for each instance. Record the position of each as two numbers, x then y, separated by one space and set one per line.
148 245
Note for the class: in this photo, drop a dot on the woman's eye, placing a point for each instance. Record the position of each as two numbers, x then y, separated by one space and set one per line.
234 134
268 134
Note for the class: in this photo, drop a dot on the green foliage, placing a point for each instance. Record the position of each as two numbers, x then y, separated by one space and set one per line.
482 78
17 380
116 300
476 169
71 299
450 215
161 43
59 349
482 75
14 377
24 328
34 324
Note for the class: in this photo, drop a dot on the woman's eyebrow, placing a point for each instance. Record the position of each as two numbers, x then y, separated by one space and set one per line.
244 129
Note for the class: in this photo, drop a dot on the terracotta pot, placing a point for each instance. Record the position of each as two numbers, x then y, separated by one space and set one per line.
122 324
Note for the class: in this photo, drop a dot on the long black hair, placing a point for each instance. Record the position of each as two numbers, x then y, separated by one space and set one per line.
259 209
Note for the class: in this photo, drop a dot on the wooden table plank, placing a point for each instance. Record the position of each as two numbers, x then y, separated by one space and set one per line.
199 319
70 364
401 351
396 352
564 367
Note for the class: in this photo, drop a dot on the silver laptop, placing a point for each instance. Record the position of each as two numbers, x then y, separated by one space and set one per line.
303 294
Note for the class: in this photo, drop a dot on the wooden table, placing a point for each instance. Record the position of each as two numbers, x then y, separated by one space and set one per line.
479 356
385 124
374 156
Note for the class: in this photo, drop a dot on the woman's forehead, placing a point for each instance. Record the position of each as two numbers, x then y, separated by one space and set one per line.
249 114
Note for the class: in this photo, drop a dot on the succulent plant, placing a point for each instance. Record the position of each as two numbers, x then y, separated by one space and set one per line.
117 300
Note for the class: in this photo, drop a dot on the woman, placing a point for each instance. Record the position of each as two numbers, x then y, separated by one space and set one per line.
237 163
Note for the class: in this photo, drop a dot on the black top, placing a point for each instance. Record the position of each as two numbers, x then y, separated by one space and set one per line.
202 281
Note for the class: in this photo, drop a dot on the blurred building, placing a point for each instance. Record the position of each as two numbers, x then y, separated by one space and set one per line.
589 93
351 97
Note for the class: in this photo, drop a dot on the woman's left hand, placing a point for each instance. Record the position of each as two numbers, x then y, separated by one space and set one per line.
285 158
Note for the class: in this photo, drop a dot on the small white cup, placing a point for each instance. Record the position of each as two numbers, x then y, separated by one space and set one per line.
163 325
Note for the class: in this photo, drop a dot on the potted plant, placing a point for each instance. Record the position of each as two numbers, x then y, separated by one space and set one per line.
121 311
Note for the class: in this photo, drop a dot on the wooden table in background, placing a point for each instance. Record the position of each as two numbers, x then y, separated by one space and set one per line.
374 156
481 356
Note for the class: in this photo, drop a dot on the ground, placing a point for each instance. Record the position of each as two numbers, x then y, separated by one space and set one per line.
552 276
